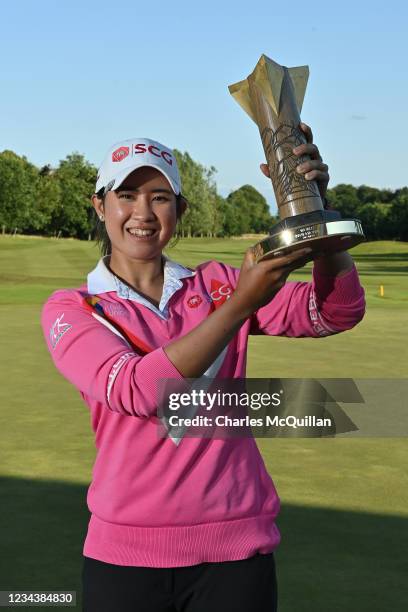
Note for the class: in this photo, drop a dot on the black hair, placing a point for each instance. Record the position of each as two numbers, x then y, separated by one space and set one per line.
101 235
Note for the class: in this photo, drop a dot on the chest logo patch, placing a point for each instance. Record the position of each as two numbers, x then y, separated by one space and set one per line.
194 301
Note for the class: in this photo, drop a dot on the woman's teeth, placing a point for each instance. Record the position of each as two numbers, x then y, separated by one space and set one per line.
140 232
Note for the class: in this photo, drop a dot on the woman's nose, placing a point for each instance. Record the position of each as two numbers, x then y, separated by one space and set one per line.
142 208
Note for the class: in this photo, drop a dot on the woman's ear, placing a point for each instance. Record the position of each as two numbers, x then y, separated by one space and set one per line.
97 203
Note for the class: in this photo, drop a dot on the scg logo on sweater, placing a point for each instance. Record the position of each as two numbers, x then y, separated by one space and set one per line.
220 292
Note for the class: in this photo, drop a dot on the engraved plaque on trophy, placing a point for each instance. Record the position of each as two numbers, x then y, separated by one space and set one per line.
272 95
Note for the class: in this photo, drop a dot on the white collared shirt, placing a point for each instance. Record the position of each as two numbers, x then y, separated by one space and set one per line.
102 280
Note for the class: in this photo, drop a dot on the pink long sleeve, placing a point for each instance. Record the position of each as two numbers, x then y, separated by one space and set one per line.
326 305
98 362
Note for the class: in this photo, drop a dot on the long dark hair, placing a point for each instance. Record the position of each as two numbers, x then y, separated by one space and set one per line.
101 235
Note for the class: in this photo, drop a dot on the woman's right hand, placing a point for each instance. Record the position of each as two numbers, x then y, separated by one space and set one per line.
259 282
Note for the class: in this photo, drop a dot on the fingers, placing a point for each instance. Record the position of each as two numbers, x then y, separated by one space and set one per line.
299 258
316 175
291 260
307 149
307 131
297 254
310 165
300 262
250 258
265 170
314 170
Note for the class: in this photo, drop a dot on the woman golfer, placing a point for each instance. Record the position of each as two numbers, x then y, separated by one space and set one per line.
178 524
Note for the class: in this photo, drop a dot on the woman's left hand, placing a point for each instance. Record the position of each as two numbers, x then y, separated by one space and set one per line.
313 169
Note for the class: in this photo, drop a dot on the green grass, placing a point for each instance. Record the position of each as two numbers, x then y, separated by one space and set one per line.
344 501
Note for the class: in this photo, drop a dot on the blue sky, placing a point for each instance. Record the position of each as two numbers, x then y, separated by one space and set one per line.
79 76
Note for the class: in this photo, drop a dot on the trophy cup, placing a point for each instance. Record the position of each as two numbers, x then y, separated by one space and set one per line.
272 95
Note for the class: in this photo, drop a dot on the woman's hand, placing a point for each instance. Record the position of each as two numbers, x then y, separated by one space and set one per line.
259 282
336 264
314 169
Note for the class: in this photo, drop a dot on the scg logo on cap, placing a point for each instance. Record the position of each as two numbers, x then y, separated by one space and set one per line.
141 148
125 156
120 154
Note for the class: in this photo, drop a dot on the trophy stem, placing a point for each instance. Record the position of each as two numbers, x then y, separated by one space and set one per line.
280 133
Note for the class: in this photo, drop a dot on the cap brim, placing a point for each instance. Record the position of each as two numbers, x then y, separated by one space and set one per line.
120 177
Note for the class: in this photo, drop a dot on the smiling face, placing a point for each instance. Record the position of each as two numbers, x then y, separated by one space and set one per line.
141 216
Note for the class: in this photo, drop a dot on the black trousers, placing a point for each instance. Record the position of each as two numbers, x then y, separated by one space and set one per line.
248 585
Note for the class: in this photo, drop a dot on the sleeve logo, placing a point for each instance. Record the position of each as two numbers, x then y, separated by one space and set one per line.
314 314
58 329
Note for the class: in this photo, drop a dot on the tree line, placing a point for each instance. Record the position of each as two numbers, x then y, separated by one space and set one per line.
56 202
382 212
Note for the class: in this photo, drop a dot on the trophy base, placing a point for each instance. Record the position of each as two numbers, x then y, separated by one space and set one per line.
323 231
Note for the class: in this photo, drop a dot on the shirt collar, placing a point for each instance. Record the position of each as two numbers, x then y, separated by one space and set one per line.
102 280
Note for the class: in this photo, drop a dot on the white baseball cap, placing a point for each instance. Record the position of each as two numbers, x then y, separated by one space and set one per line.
127 155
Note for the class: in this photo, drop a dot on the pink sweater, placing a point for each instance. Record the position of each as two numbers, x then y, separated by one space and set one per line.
163 502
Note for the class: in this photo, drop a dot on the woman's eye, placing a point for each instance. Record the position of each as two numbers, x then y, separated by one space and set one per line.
129 196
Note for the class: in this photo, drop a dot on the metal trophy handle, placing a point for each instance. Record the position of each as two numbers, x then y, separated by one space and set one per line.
272 95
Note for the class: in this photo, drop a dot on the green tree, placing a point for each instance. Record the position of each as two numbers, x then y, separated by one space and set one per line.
249 210
399 215
369 195
375 219
199 189
47 200
235 221
76 179
344 198
18 186
225 217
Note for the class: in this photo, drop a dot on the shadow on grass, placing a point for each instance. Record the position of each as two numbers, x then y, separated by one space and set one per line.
328 560
331 560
